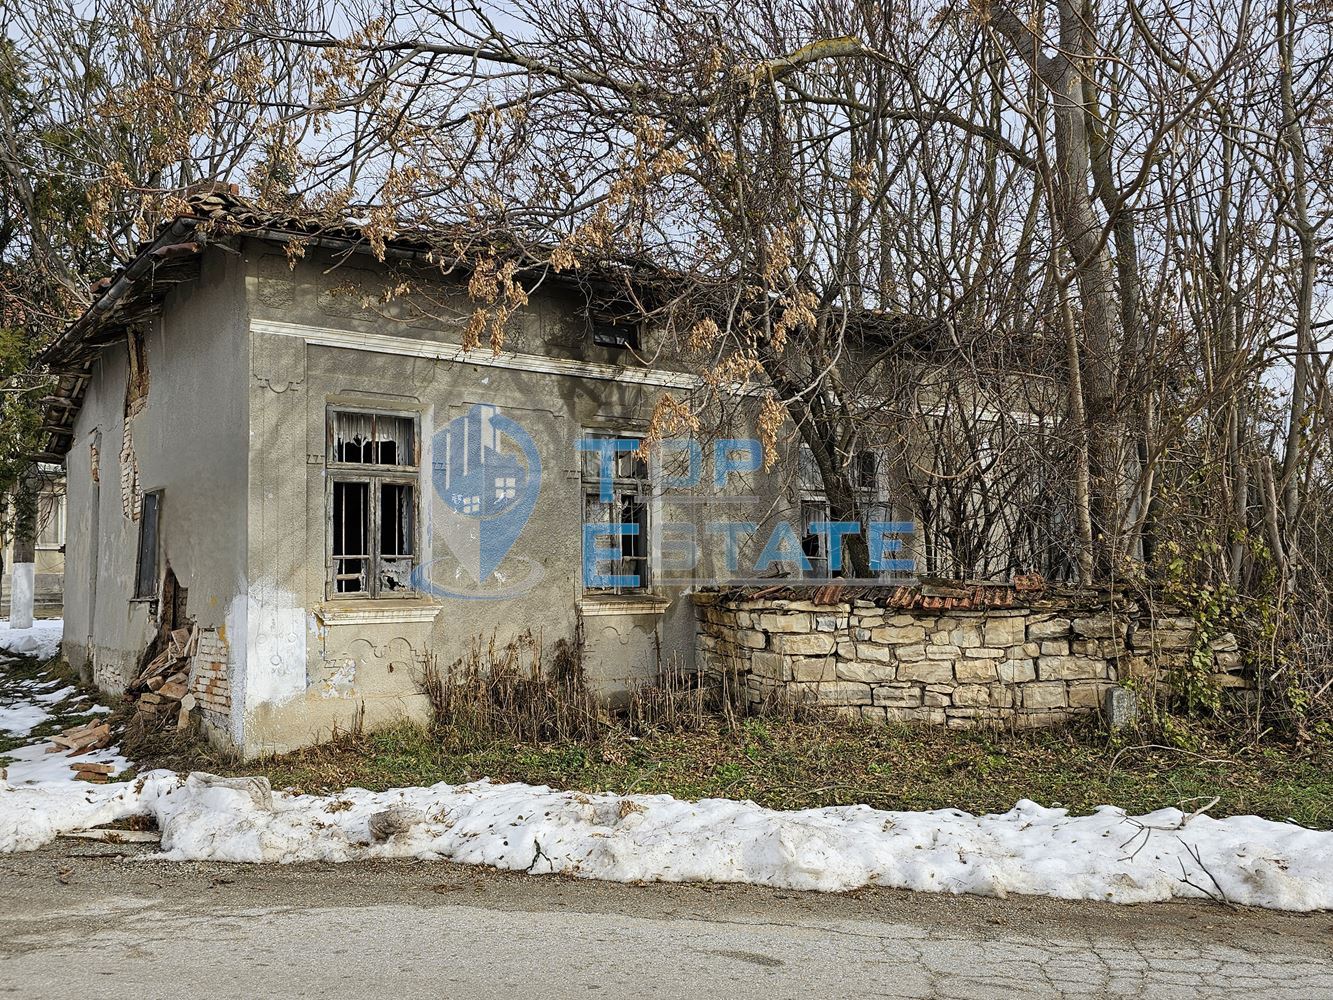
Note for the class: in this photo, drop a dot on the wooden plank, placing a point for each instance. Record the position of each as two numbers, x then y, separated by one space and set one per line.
116 836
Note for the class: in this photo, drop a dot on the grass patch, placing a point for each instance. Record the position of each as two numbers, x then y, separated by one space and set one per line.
793 765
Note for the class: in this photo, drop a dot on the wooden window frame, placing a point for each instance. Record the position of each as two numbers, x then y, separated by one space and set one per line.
158 496
639 487
374 476
811 494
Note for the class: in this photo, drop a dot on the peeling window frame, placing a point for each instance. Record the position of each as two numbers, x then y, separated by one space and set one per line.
633 486
813 505
375 477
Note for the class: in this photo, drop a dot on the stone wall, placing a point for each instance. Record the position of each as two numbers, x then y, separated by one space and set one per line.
957 656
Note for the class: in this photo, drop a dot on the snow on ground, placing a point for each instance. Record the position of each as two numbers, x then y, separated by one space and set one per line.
31 765
1105 856
41 641
1029 850
28 703
22 717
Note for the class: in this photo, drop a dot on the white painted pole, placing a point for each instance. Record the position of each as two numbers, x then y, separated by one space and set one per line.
25 551
21 595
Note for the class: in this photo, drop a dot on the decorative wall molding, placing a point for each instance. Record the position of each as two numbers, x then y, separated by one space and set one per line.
366 613
379 343
278 364
590 607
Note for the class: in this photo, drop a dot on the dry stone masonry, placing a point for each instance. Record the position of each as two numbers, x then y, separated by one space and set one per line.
962 656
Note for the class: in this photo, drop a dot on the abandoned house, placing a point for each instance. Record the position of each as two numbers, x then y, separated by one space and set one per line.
320 495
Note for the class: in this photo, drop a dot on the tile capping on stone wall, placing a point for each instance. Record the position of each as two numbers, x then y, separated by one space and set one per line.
962 655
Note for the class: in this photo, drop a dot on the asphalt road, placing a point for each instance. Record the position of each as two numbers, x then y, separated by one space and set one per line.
81 920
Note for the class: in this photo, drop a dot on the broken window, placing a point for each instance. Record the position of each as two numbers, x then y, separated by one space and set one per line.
815 507
372 439
51 520
622 520
617 338
372 504
147 571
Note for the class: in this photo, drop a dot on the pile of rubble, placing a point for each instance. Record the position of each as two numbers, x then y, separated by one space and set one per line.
81 740
163 689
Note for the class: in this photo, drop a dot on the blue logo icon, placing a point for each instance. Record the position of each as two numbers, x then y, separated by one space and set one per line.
486 473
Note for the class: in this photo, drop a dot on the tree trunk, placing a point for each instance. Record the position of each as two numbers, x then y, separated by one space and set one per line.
1062 75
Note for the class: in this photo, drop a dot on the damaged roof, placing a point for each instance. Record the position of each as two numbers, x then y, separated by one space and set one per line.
615 287
136 292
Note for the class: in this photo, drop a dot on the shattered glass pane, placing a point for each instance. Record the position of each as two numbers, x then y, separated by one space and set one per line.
397 536
373 439
395 574
351 537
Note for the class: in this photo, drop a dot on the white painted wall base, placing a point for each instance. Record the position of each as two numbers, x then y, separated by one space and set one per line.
21 595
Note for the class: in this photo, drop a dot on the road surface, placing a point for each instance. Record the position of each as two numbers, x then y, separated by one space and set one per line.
82 919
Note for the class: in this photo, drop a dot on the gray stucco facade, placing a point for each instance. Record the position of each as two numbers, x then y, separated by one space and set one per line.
244 364
190 440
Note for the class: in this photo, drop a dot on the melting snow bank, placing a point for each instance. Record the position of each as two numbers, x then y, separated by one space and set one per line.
1106 856
41 641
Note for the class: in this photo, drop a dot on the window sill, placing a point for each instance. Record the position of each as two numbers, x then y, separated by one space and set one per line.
369 611
593 605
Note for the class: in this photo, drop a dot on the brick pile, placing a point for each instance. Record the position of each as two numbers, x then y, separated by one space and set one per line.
162 692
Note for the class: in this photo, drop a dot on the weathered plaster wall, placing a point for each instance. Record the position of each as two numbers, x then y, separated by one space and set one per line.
315 662
190 439
1031 663
244 364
